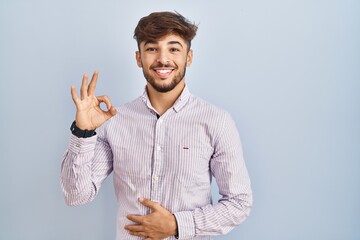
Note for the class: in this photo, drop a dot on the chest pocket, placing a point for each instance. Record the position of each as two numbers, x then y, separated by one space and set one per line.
190 164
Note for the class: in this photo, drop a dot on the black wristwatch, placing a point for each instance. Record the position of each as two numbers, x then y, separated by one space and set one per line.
81 133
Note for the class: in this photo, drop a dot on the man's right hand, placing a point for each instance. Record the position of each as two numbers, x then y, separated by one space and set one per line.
89 115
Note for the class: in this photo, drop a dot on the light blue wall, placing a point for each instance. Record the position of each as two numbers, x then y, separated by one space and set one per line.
287 71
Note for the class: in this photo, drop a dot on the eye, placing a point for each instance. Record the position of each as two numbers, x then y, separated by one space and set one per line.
174 50
150 49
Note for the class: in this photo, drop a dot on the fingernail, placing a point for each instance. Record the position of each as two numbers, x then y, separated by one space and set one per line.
141 199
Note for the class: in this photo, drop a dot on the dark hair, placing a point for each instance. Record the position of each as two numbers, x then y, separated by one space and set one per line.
160 24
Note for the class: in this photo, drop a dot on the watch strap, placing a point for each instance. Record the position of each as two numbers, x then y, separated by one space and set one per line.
81 133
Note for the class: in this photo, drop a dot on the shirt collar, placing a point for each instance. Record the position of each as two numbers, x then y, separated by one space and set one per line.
146 100
179 103
182 100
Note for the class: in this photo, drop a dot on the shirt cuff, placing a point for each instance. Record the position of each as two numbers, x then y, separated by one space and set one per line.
82 145
185 224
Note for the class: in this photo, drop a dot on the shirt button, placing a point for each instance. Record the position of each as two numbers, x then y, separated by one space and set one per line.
77 145
156 178
158 147
161 121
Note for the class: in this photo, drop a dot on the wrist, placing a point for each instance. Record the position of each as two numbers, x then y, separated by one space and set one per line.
81 133
176 232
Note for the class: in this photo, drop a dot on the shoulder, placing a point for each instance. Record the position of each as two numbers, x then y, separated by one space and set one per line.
208 110
129 106
209 116
125 112
129 110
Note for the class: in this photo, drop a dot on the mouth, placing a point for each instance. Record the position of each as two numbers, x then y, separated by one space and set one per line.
163 72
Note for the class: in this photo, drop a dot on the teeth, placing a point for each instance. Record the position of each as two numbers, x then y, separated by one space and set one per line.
164 71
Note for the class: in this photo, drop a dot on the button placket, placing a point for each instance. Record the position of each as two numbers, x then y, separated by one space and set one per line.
157 158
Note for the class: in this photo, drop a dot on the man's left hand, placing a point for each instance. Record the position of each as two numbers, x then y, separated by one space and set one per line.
159 224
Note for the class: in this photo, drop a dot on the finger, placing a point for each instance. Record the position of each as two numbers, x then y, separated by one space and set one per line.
139 234
135 228
148 203
92 85
84 85
74 95
111 110
135 218
106 100
110 113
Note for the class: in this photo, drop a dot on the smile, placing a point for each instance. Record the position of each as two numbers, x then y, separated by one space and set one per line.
163 72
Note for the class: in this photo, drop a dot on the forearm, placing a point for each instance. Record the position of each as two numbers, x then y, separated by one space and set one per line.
222 217
214 219
76 171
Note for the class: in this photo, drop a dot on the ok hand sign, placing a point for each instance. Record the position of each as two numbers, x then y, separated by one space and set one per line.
89 115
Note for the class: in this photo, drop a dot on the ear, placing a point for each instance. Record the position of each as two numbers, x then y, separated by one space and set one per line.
138 59
189 58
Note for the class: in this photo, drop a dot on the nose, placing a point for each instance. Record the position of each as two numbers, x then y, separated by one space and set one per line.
163 57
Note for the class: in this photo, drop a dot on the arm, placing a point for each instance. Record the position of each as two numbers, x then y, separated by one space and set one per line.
88 161
228 167
86 164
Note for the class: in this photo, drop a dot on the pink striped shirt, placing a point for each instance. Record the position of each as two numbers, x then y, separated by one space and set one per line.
170 159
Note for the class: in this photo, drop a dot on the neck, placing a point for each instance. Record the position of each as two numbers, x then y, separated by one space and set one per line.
161 102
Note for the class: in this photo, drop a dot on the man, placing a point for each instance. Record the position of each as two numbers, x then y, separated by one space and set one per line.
163 148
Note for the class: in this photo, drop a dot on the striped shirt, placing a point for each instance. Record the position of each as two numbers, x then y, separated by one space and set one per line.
169 159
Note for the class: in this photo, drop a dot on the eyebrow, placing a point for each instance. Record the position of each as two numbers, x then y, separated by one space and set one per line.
175 42
150 42
169 43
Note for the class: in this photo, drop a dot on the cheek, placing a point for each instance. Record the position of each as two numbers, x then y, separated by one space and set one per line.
147 62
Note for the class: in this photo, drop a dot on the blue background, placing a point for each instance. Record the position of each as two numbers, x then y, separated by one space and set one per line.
288 72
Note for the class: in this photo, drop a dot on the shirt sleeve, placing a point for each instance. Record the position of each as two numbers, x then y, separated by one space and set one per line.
85 165
227 165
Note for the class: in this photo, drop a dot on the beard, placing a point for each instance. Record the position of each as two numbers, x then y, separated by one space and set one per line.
163 88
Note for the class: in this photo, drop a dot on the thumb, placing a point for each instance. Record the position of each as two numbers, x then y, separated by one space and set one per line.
112 111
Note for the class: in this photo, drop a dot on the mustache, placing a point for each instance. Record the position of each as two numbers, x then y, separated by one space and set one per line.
161 65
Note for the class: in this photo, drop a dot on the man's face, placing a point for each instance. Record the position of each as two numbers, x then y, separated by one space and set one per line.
164 61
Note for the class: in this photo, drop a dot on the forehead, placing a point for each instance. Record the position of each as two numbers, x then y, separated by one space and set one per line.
166 40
